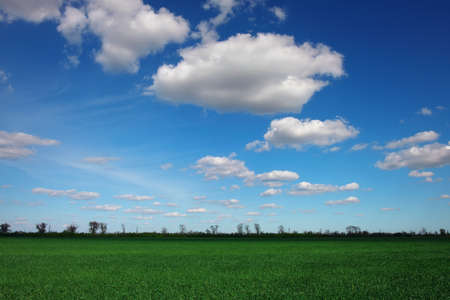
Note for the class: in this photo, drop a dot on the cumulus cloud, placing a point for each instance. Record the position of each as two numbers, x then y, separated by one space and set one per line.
275 75
270 192
278 175
216 167
425 111
132 197
105 207
174 214
279 13
100 160
420 137
416 173
199 198
231 203
269 205
14 145
234 187
31 11
348 200
307 188
334 149
253 213
295 133
73 24
196 210
258 146
359 147
428 156
166 166
142 211
71 193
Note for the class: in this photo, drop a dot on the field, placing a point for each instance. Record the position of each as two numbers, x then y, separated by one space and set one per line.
48 268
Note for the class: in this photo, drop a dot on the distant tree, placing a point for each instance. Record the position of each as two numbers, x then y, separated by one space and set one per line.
281 229
352 229
103 227
123 229
214 229
258 229
207 231
423 231
240 229
4 228
93 227
71 228
247 229
182 228
164 230
42 227
442 231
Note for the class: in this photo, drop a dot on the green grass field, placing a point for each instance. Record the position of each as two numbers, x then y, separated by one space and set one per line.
47 268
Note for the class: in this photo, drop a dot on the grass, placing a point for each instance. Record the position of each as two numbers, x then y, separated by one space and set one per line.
47 268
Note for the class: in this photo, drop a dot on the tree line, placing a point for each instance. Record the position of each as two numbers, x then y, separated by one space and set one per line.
242 230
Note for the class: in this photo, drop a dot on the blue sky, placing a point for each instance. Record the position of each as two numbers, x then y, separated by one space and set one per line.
310 114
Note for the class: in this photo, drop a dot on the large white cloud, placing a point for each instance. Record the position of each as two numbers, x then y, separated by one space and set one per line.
14 145
295 133
216 167
71 193
262 74
306 188
30 10
420 137
427 156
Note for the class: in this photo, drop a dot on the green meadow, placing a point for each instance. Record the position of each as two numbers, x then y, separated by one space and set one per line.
126 268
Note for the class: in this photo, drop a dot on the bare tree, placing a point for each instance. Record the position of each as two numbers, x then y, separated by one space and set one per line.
103 227
247 229
93 227
240 229
164 230
281 229
42 227
182 228
442 231
72 228
214 229
4 228
352 229
258 229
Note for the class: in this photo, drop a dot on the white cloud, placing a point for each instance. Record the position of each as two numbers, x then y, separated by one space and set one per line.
4 78
73 24
279 13
389 209
234 187
273 184
277 175
216 167
132 197
425 111
105 207
5 186
269 205
100 160
359 147
428 156
143 218
72 193
295 133
231 203
348 200
270 192
31 11
416 173
156 203
420 137
171 204
142 210
196 210
253 213
174 214
275 75
258 146
306 188
166 166
334 149
445 196
199 198
14 145
440 107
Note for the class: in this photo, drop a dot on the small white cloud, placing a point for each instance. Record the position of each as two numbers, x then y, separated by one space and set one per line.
253 213
425 111
348 200
105 207
305 188
416 173
174 214
156 203
71 193
215 167
258 146
269 205
5 186
142 211
445 196
278 175
420 137
231 203
359 147
171 204
234 187
440 107
143 218
196 210
100 160
166 166
199 198
334 149
389 209
132 197
14 145
279 13
270 192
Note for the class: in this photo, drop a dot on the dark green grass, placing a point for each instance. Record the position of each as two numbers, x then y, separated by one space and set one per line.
46 268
